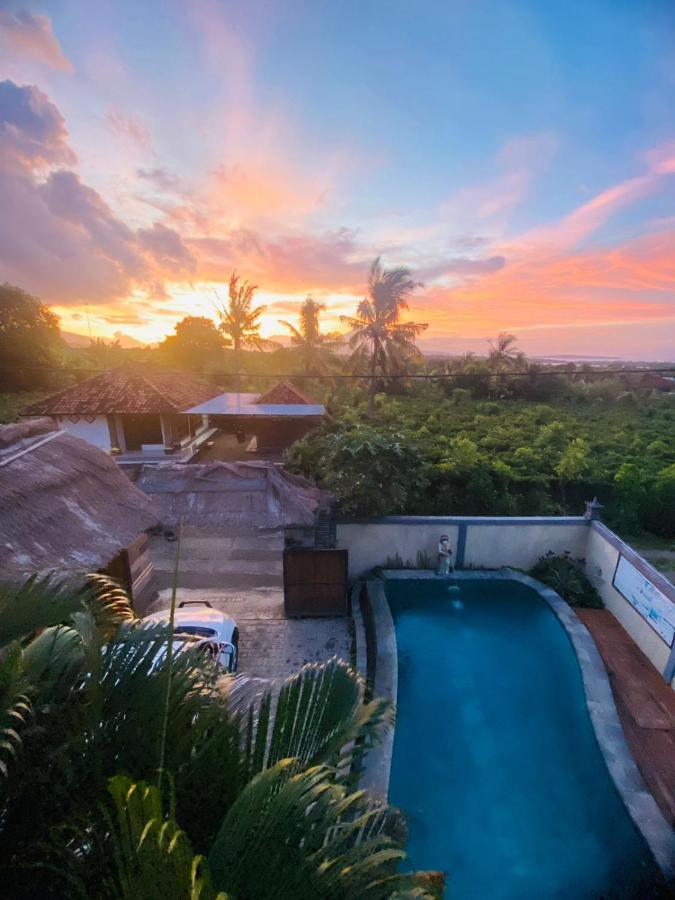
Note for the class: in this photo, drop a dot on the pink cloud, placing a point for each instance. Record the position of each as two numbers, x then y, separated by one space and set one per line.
59 238
128 127
517 165
661 159
30 35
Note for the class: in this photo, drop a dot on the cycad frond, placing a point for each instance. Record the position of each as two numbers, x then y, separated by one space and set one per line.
15 707
317 841
151 857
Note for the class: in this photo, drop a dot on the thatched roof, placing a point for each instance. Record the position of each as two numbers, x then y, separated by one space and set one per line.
63 503
250 494
126 390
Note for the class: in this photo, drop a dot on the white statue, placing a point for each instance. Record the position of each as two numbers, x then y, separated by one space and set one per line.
445 566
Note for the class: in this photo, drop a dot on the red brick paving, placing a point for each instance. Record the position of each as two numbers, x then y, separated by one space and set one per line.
645 703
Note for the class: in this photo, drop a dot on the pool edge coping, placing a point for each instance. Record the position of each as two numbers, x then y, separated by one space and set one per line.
623 770
377 765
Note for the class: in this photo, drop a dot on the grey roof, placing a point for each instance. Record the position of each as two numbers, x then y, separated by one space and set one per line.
63 504
242 404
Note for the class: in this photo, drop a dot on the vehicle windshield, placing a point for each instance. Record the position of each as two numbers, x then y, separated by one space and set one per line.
196 630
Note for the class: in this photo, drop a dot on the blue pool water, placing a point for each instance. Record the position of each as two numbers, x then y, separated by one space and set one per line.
495 760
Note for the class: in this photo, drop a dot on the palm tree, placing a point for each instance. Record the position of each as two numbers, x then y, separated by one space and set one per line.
380 340
315 348
238 320
504 357
504 353
262 790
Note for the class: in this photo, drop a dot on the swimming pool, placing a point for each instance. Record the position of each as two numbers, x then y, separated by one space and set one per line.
495 761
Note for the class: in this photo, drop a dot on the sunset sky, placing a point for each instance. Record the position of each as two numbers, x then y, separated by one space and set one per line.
518 156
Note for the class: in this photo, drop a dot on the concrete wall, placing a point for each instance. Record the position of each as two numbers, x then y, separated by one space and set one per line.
602 554
370 543
486 543
519 543
96 432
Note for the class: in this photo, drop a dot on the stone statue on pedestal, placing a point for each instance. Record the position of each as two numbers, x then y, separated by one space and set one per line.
445 566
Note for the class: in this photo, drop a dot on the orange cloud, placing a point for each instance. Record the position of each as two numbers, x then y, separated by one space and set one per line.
30 35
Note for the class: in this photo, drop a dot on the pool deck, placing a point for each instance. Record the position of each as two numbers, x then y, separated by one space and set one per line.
645 703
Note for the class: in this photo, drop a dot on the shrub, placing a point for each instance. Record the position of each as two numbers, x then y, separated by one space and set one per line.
565 576
370 472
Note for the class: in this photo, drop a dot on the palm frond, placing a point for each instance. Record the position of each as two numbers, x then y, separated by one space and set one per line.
45 601
296 337
15 707
109 603
319 711
317 840
35 604
151 857
53 661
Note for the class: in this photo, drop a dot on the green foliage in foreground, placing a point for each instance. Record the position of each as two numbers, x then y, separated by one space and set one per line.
426 454
565 575
255 800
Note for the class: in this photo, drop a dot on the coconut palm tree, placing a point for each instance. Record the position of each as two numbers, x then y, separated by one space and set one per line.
504 357
381 342
504 353
238 320
316 349
257 797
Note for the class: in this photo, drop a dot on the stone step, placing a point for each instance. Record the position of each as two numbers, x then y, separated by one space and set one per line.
224 566
217 580
163 556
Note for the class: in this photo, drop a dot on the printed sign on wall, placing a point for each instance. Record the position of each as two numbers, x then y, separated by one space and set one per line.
649 601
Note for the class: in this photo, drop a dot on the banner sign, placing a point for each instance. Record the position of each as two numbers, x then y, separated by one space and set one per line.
649 601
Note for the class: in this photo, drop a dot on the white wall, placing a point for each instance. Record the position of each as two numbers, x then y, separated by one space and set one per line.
370 544
96 432
520 545
601 559
489 544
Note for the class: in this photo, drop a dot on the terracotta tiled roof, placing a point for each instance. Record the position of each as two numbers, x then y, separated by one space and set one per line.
285 392
652 379
126 391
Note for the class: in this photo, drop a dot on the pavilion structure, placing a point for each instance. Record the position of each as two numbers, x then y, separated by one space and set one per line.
271 421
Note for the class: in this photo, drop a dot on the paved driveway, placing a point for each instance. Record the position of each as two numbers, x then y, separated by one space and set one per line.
240 574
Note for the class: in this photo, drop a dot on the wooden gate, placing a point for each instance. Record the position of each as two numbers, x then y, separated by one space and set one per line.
315 582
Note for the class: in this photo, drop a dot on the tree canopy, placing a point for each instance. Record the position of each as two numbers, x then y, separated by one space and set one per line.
30 340
195 344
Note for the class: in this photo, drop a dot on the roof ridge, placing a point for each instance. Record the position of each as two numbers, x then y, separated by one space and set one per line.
288 385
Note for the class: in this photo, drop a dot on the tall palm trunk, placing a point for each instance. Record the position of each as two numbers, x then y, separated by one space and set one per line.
372 390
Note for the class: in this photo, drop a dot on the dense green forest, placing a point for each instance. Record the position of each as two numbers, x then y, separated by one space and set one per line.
437 454
494 435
